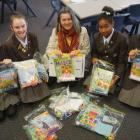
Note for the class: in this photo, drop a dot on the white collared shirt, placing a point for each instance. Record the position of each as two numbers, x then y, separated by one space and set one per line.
24 43
106 40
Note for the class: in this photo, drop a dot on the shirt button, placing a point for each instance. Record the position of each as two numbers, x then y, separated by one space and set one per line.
106 56
28 54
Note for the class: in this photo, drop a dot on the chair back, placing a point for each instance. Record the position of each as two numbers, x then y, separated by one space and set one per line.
56 4
120 21
134 10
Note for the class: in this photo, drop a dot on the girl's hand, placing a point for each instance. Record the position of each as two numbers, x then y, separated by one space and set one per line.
7 61
94 60
133 53
113 82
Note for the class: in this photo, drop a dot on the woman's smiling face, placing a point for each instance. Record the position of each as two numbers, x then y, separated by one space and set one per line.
66 21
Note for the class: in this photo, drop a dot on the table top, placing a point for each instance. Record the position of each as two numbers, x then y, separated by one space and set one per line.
126 3
87 8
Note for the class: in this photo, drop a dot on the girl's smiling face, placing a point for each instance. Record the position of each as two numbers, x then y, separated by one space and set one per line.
105 27
19 27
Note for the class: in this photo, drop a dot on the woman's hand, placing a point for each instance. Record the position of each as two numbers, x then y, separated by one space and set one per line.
74 53
55 53
58 53
133 53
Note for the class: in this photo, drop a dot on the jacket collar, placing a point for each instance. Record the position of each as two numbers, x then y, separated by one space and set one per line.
114 35
16 42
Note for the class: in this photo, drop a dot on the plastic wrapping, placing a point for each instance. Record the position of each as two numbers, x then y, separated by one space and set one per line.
35 133
135 71
8 78
35 112
103 120
64 69
74 65
43 120
42 70
136 59
27 73
101 78
67 103
79 65
135 68
43 75
113 117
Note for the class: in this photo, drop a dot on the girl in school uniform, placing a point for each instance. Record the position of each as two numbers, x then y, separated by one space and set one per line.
8 101
109 45
130 92
20 46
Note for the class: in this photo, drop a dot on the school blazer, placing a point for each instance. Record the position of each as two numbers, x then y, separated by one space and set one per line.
14 50
115 53
134 42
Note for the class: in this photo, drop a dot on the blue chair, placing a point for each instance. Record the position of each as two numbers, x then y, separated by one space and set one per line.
11 4
91 25
56 5
120 21
91 28
29 9
134 18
